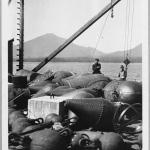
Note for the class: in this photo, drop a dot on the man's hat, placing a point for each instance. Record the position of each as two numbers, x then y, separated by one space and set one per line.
96 59
121 66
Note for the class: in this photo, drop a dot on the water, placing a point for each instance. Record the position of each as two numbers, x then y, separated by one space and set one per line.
109 69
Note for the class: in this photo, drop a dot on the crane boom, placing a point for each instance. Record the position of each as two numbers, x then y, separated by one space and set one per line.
76 34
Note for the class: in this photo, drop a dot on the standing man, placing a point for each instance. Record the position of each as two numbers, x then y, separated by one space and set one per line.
96 67
122 74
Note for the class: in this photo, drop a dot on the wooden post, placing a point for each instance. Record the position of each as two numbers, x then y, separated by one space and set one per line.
10 56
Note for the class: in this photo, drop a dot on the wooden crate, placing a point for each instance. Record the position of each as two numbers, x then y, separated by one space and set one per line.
42 106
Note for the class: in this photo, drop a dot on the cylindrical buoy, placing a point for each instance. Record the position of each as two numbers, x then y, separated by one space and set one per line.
93 112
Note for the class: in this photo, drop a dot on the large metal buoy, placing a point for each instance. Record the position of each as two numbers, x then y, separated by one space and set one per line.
45 90
39 86
110 90
100 140
58 75
130 92
112 141
48 139
14 115
61 90
20 124
78 94
93 112
53 118
83 81
124 91
95 92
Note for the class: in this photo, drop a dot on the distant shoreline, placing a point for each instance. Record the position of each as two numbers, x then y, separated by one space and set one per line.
82 59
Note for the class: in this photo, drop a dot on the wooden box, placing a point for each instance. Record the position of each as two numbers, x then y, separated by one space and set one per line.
42 106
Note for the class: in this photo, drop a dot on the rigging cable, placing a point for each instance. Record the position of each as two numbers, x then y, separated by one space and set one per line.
112 11
98 40
126 29
131 27
128 34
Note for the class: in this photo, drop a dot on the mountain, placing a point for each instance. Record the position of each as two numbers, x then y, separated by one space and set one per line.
135 54
44 45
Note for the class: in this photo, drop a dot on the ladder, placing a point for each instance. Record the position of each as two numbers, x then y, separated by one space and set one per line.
20 34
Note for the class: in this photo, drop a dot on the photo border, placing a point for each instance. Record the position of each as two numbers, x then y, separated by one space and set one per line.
3 72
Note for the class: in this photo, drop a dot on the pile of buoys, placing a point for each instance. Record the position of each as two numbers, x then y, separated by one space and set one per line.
102 140
83 81
93 130
100 113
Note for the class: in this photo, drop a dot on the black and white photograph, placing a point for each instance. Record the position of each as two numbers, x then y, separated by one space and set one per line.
75 75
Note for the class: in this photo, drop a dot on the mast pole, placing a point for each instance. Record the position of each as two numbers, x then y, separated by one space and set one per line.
76 34
20 38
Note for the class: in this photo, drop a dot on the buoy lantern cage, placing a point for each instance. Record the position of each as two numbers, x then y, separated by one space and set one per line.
127 62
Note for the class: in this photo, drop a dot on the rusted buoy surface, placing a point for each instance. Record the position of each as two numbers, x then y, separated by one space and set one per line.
112 141
15 115
111 90
53 118
20 124
47 139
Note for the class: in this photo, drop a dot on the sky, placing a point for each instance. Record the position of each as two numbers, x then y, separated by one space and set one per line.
65 17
